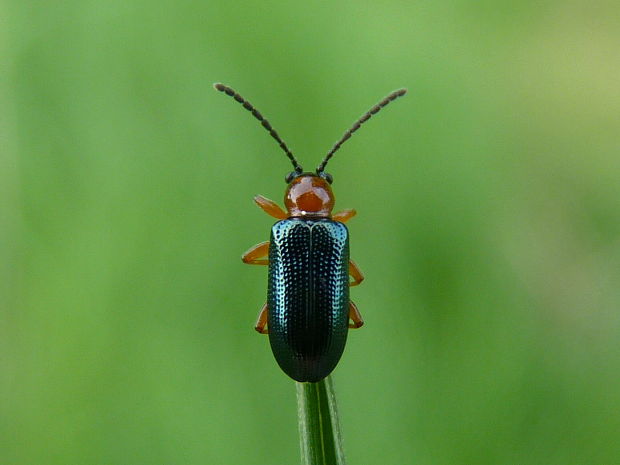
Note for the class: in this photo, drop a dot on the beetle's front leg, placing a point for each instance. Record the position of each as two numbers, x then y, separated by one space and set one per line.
253 254
261 322
270 207
355 316
344 215
355 273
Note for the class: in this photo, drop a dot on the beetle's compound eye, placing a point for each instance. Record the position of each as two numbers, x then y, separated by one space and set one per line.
328 177
292 175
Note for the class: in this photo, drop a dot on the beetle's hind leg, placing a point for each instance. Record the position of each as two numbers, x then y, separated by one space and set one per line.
355 273
261 322
355 316
253 255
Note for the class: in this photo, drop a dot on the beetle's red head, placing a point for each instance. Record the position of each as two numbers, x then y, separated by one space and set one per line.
309 195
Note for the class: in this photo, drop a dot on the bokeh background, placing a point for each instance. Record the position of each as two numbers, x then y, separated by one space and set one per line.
488 228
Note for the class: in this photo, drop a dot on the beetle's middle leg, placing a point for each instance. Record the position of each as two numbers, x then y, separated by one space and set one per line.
253 255
261 322
355 273
355 316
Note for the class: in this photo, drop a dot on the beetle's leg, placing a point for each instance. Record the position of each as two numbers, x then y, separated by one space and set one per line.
344 215
252 256
261 322
270 207
355 316
355 273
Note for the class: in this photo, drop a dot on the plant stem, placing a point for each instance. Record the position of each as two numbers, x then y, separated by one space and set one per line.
320 438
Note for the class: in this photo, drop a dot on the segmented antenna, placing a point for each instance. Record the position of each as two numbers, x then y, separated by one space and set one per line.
393 96
248 106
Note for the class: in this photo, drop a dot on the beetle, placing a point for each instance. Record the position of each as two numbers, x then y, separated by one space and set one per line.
308 308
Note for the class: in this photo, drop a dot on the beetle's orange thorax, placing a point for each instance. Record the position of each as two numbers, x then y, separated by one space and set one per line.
309 195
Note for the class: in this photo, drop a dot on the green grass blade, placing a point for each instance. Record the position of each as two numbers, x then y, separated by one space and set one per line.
319 430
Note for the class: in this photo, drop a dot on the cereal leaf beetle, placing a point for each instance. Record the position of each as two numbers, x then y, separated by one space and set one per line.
308 308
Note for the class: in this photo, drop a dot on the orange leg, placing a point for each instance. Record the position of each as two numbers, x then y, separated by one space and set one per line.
355 316
252 256
261 322
355 273
344 215
270 207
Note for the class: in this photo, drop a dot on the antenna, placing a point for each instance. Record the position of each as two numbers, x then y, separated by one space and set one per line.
365 117
248 106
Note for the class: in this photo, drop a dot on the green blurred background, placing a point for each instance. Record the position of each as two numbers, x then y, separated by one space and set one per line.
488 228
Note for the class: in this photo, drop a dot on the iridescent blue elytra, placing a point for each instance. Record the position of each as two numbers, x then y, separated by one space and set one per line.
308 296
